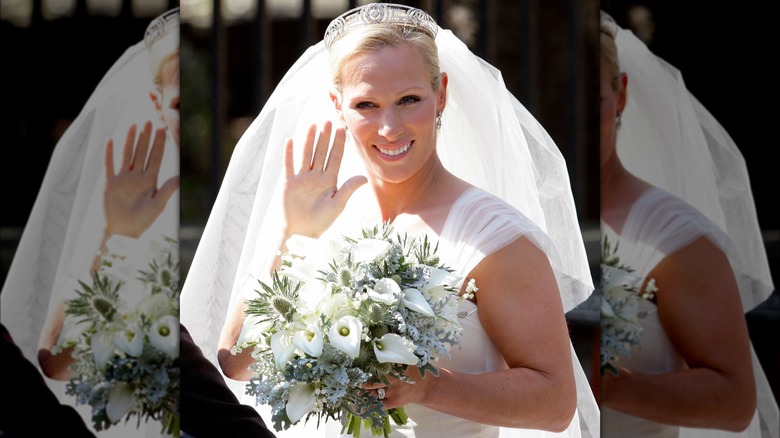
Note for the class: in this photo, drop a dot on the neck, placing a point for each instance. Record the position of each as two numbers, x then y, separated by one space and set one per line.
417 193
619 190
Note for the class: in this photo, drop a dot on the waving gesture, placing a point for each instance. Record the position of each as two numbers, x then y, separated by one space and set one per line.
312 200
132 200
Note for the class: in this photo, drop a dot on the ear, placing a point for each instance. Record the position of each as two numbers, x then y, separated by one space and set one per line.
622 92
334 97
441 98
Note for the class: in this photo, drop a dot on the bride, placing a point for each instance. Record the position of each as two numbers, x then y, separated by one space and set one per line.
693 372
391 118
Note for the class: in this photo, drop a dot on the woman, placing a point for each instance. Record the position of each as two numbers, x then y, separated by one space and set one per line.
413 126
82 213
692 373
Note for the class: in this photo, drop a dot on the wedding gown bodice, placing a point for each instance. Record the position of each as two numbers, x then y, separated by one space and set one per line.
478 224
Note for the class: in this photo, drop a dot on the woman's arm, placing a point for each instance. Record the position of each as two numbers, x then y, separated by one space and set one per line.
54 366
520 309
312 202
699 307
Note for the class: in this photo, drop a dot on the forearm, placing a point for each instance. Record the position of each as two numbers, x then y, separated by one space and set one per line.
56 366
699 397
517 397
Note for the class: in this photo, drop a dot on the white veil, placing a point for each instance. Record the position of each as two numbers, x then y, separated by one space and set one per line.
487 138
671 141
65 226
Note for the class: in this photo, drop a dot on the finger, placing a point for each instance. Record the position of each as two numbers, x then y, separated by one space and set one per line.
336 152
347 189
158 150
321 151
142 147
127 151
308 147
289 159
109 159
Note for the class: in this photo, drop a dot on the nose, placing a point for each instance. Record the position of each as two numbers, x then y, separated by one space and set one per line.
390 124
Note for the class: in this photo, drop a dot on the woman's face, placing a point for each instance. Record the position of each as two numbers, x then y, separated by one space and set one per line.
389 106
167 103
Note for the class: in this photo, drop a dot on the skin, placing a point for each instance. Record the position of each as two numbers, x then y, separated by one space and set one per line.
132 201
701 314
387 102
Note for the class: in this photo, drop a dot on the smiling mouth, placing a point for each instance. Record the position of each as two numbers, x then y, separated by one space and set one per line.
394 152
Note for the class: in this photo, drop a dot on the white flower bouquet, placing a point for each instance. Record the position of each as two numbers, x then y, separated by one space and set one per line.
620 314
341 314
124 353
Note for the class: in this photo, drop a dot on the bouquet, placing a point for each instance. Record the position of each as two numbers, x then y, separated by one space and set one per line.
343 313
124 353
620 314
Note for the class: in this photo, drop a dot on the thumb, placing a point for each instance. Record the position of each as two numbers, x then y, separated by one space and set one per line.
167 189
348 188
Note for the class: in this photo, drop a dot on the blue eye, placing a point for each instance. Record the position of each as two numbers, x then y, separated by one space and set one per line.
409 100
364 105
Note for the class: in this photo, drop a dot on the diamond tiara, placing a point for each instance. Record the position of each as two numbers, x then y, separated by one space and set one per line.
375 13
161 26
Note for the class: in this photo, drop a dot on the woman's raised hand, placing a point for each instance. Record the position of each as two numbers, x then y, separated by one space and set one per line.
132 199
312 201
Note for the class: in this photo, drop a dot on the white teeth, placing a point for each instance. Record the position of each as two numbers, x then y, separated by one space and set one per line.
394 152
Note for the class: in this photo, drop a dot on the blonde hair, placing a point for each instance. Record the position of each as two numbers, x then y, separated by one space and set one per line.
376 36
160 65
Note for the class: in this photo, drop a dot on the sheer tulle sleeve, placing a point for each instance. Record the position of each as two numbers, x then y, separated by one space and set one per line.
480 224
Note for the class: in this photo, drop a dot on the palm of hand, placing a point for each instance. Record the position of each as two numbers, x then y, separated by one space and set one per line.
312 201
132 199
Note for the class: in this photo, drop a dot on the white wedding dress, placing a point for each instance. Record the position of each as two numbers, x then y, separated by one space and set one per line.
478 224
657 225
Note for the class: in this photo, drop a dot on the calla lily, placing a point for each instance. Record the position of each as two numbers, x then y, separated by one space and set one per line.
72 329
385 291
414 300
345 335
306 271
301 246
309 341
164 335
333 305
366 250
155 306
283 348
301 401
311 294
130 339
253 330
102 345
393 348
120 401
438 282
